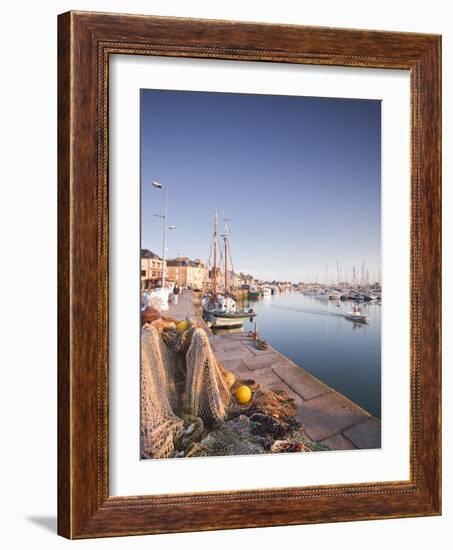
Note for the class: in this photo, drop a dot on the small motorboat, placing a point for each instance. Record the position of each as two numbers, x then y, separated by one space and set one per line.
356 315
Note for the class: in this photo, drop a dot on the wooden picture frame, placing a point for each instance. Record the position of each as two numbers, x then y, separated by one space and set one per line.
85 42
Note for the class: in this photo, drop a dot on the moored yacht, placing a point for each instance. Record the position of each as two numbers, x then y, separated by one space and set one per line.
220 309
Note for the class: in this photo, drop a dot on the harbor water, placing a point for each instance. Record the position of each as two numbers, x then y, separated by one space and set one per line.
315 334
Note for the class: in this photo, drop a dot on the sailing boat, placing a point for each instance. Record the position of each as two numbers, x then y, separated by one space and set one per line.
220 309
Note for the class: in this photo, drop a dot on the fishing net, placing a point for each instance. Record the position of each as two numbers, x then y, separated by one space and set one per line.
159 424
176 385
207 393
276 404
297 441
234 437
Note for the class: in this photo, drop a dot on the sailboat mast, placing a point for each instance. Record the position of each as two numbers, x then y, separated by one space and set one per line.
214 282
225 244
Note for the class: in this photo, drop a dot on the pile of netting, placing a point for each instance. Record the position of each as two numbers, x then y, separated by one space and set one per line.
188 406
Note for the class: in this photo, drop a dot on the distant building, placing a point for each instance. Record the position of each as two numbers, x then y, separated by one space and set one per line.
151 269
235 279
187 273
244 279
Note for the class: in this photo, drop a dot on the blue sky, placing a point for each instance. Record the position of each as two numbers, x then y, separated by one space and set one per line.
299 177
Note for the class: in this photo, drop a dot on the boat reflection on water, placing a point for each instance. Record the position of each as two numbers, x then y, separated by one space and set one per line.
356 325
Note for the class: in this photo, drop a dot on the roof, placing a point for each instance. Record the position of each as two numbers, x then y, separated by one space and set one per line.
145 253
184 262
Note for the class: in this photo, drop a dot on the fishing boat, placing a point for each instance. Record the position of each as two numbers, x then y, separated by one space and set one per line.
222 312
253 293
356 315
334 295
220 309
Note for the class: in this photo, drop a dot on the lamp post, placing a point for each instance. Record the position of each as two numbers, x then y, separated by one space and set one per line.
158 185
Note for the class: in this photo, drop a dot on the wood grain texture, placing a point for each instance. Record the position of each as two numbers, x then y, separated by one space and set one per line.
86 40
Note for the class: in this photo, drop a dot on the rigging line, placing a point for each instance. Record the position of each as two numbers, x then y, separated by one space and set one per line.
220 247
230 257
208 263
229 244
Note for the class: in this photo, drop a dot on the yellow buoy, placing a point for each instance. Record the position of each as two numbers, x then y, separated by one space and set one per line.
243 394
182 326
229 379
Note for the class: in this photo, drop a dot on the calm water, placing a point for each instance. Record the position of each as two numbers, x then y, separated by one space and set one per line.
315 335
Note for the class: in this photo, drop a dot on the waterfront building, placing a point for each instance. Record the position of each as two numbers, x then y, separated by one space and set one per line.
235 279
151 269
187 273
245 279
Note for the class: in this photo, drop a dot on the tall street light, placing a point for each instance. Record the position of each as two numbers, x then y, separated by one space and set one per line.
158 185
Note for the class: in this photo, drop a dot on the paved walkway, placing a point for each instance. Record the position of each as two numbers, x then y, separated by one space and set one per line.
188 306
328 416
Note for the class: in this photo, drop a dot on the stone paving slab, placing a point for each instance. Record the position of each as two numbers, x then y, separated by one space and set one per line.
328 415
269 361
366 435
233 336
232 347
213 338
265 378
236 354
234 365
184 309
250 344
304 384
217 349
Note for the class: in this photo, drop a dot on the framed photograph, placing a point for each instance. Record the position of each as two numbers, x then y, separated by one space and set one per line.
249 275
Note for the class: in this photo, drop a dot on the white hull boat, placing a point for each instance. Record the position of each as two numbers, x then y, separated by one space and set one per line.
219 320
223 313
357 317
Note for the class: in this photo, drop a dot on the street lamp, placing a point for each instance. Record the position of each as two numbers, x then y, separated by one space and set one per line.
158 185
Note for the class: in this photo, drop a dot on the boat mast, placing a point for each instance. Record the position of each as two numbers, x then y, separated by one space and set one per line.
214 281
225 245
